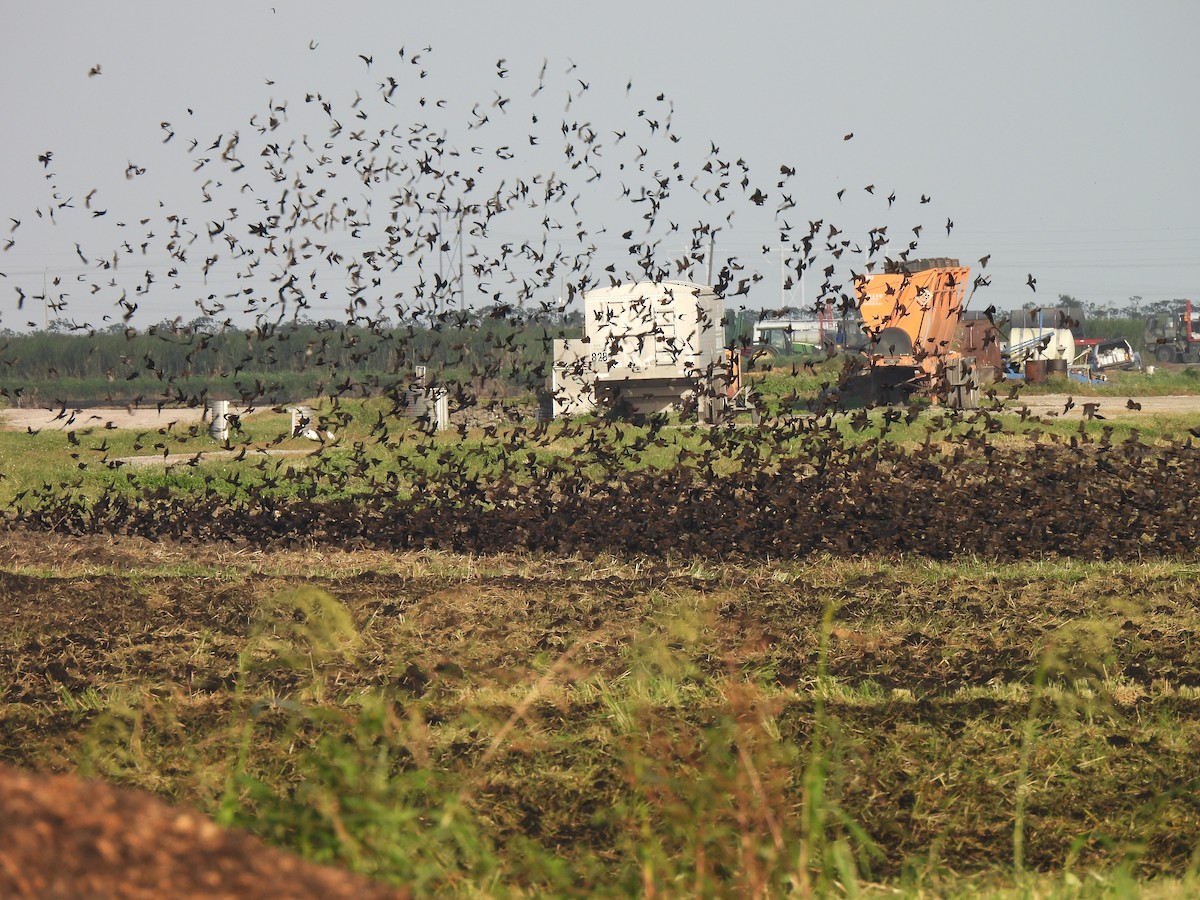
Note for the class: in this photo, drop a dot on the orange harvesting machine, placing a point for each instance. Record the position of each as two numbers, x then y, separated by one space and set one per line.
910 313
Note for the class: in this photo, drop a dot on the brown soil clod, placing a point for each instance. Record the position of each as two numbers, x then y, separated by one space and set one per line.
66 837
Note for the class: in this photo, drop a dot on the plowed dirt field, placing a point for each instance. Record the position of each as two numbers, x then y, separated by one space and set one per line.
553 697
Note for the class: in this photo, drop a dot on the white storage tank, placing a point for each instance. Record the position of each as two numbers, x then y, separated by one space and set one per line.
1042 343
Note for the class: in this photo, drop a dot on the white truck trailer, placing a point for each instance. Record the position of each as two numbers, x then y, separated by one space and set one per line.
649 347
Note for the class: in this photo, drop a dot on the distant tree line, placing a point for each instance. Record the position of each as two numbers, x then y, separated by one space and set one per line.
1136 308
172 359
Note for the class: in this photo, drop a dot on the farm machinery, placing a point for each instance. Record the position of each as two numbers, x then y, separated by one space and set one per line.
829 331
1174 338
910 314
1052 339
648 348
655 347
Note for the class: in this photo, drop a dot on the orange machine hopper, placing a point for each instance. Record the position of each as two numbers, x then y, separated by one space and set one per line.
910 317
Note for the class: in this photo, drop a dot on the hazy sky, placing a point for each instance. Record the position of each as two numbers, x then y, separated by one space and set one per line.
1057 137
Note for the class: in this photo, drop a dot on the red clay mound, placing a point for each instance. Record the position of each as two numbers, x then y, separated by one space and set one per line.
65 837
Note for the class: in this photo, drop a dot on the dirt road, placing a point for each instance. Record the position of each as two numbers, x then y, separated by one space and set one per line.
184 417
1113 407
142 417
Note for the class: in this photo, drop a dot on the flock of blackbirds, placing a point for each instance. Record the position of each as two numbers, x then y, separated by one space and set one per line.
410 226
794 487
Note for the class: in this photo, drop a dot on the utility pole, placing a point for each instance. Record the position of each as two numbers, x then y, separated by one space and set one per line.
441 243
782 279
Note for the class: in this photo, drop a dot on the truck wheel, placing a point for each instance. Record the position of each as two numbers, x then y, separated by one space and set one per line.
892 395
1164 353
